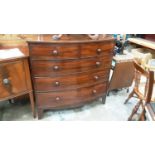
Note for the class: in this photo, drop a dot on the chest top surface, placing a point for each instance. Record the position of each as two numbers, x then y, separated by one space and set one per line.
68 38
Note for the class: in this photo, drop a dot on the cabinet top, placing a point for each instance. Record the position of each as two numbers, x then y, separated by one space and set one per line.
68 38
11 54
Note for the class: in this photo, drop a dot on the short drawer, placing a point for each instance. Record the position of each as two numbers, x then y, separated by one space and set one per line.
56 68
69 82
69 98
96 49
54 51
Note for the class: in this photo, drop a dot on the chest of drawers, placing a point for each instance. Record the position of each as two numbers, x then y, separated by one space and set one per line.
68 73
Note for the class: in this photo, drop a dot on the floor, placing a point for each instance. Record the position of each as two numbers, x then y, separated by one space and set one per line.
113 110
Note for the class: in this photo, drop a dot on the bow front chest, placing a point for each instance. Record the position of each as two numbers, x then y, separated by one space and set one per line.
69 73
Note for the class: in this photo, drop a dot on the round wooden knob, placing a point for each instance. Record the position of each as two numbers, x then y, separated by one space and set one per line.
57 98
6 81
56 68
98 63
94 91
96 77
55 52
57 83
99 51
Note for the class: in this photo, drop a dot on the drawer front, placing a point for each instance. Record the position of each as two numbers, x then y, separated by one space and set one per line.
48 51
94 49
69 98
12 79
70 82
56 68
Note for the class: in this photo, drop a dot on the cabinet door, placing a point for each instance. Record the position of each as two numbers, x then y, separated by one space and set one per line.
12 79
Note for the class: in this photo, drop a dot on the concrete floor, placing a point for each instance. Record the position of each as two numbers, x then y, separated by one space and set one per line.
113 110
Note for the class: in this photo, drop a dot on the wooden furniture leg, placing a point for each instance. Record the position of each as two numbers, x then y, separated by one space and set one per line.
134 111
40 113
130 95
32 104
11 101
104 99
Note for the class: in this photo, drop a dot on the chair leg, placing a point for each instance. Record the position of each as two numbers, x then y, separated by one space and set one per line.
130 95
142 116
134 111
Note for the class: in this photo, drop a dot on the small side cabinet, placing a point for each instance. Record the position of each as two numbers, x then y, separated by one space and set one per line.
123 72
15 79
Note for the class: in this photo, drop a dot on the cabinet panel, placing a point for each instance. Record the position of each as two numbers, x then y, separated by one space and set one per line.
12 78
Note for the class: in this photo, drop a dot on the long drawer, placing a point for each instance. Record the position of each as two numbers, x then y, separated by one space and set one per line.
69 82
71 51
67 98
56 68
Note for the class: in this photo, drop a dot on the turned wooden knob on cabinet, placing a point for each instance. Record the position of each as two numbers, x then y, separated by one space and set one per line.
55 52
6 81
57 83
57 98
56 68
99 50
98 63
96 77
94 91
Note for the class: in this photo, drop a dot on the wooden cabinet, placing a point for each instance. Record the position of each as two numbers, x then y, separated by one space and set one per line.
15 79
69 73
123 73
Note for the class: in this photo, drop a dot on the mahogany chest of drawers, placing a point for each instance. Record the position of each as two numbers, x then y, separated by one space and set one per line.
69 73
